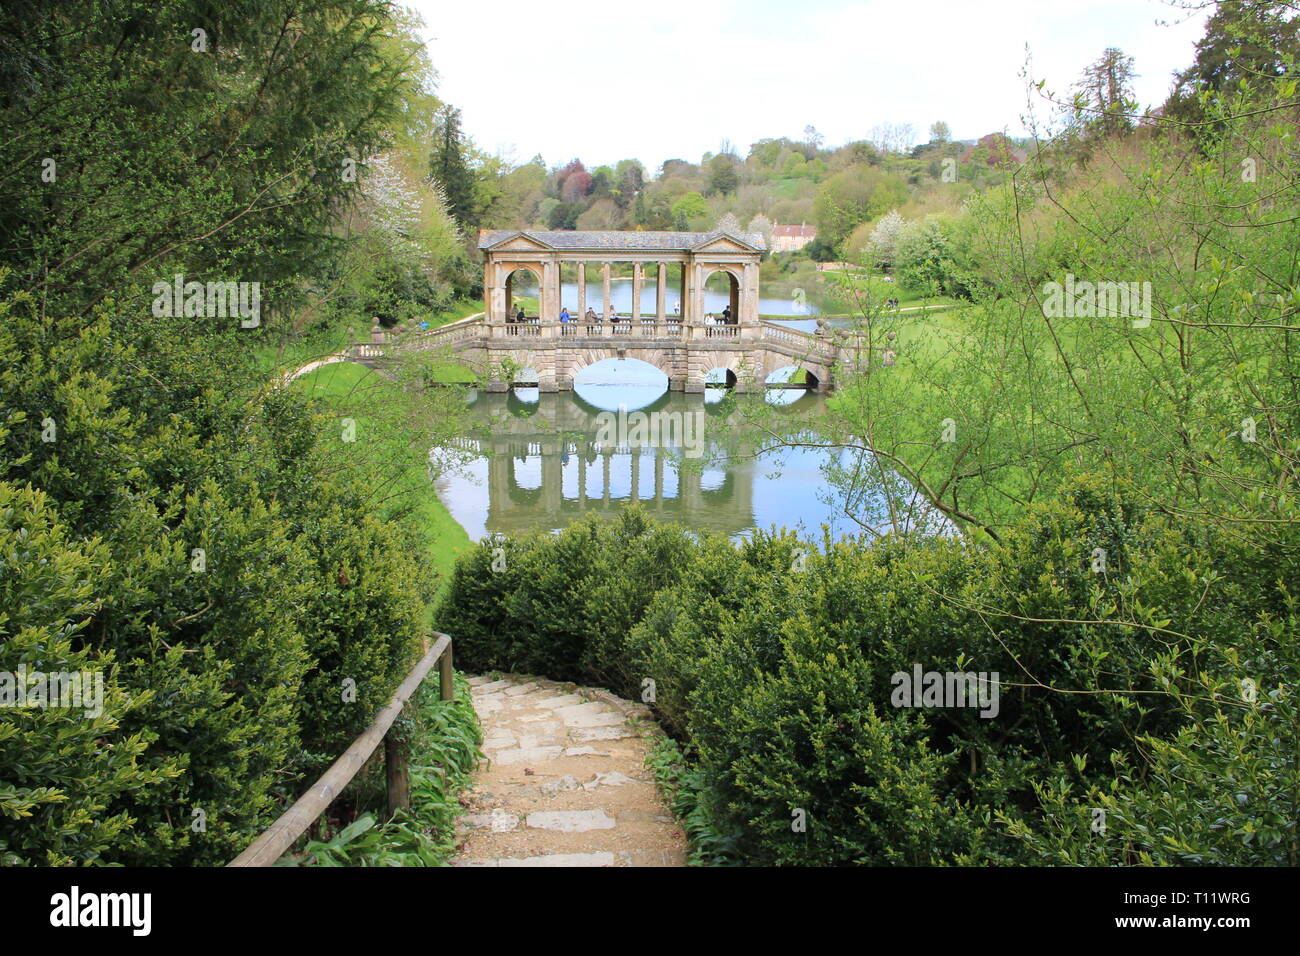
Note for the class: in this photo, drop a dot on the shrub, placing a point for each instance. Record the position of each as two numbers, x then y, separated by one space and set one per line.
1119 683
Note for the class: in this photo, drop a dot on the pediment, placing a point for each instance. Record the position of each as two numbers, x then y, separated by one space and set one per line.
724 243
520 242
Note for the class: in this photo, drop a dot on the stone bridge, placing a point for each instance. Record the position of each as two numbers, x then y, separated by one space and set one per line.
685 346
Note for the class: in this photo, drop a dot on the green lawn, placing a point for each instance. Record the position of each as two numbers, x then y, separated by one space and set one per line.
377 406
286 353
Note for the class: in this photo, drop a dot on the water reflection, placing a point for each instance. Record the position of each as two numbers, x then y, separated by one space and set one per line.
539 466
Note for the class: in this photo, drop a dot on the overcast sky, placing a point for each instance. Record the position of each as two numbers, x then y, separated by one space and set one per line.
604 80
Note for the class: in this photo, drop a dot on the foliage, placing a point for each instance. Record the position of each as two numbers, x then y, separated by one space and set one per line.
443 739
776 674
206 548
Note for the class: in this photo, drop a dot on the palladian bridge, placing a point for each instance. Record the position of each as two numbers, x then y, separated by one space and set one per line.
682 344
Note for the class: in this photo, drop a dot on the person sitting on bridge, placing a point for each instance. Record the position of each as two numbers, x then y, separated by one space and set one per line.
611 315
564 315
709 320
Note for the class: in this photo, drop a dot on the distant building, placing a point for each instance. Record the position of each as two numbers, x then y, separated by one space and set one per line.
792 238
994 150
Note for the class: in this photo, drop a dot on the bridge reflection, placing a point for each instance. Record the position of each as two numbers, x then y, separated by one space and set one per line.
547 467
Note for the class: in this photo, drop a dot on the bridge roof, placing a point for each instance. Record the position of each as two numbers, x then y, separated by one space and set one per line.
566 239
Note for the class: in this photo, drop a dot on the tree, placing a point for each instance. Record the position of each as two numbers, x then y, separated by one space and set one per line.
601 215
761 225
728 222
187 529
573 182
940 133
1255 42
629 175
723 177
1103 100
883 243
449 169
893 137
688 207
853 196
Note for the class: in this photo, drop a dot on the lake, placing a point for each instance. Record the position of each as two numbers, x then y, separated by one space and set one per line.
539 461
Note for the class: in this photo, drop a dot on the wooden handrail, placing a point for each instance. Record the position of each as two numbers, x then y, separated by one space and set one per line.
280 835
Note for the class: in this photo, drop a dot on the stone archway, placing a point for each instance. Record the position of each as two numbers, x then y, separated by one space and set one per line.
734 283
506 276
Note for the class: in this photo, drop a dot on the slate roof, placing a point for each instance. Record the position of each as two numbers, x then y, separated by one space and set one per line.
642 241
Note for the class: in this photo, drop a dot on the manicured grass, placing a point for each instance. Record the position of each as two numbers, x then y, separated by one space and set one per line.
460 309
385 435
288 353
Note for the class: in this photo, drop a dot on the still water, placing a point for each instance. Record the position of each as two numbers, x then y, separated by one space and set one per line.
540 463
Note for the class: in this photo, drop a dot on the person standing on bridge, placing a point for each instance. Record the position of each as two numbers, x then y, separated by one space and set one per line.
519 316
591 315
564 315
726 316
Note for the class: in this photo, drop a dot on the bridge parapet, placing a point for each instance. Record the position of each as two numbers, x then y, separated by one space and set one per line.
684 350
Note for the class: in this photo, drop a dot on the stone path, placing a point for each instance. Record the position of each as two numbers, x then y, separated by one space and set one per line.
564 782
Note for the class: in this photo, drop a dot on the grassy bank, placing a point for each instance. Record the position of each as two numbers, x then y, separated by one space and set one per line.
282 353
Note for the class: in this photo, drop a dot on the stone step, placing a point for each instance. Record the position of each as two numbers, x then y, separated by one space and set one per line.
604 858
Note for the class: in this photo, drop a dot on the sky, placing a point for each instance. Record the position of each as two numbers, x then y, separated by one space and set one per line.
603 80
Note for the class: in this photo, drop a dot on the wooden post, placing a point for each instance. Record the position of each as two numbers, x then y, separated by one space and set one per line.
279 836
446 684
399 778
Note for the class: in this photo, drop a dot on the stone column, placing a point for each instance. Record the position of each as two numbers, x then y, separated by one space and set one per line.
683 292
749 293
497 303
660 278
604 276
582 291
636 293
548 306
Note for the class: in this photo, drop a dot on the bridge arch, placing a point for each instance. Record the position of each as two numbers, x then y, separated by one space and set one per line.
576 361
735 280
507 280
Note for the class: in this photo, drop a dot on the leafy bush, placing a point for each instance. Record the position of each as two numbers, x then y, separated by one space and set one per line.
772 662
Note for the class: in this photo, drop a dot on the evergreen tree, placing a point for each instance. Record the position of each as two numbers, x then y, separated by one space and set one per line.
450 169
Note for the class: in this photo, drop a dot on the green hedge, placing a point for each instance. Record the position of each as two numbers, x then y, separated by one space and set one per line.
1121 689
227 669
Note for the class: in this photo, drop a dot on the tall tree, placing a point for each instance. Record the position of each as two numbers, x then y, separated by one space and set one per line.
1103 99
450 169
1243 41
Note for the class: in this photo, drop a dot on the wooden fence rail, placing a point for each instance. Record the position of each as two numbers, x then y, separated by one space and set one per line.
280 835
